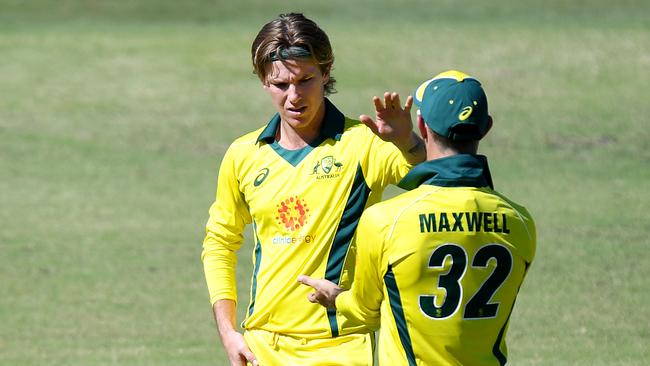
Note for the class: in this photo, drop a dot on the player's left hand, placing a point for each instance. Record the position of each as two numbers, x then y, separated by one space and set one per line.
325 291
392 122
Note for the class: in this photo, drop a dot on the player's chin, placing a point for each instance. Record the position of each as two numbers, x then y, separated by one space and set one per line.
296 121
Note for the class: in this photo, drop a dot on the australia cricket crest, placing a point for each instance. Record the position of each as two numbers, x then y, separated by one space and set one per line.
327 167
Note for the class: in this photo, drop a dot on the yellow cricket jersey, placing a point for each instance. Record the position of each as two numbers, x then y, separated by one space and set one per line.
304 206
440 266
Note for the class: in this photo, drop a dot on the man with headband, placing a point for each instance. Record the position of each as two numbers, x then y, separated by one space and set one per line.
302 181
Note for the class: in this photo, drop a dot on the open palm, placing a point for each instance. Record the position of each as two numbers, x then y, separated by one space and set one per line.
392 122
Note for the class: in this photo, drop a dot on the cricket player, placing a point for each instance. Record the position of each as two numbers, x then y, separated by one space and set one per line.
440 266
302 181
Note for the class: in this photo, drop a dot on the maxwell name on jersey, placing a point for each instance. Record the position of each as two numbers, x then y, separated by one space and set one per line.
488 222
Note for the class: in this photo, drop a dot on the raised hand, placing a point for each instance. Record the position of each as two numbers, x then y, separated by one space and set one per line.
392 122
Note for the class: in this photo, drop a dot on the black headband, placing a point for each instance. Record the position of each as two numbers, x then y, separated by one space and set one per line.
289 53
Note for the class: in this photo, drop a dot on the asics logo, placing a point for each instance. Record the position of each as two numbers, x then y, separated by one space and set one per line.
261 176
465 113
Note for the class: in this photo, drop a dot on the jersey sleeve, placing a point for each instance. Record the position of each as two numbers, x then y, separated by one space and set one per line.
362 302
532 232
527 252
224 232
385 162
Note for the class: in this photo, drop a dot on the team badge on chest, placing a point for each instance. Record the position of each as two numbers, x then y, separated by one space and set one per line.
327 167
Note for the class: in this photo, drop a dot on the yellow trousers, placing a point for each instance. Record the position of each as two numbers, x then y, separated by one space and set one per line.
275 349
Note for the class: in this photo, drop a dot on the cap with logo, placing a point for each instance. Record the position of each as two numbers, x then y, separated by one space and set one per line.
453 104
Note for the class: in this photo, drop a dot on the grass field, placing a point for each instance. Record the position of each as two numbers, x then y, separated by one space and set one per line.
114 116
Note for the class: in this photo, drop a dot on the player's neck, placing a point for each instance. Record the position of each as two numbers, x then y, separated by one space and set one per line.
293 138
437 151
438 148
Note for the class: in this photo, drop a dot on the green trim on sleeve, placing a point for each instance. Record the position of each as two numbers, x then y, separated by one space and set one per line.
395 301
258 259
347 225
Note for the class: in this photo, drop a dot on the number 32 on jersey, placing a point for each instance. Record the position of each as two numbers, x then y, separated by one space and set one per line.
479 305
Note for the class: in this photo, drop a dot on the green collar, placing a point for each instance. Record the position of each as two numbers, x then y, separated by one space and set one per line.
463 170
333 125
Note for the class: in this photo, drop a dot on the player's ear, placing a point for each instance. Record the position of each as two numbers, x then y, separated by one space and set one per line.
489 125
422 127
265 86
326 76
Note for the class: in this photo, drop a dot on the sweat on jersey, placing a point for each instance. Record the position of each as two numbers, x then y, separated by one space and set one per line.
440 266
304 206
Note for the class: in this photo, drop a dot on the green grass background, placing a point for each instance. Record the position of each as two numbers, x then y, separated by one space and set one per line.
114 116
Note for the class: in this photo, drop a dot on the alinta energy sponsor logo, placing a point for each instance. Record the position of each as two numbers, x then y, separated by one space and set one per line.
327 167
292 213
290 240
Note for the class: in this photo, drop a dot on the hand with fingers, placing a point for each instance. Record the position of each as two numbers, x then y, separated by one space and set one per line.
238 352
325 292
392 122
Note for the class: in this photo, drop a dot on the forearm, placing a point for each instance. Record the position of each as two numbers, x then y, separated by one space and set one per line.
347 304
225 317
219 263
413 149
363 300
233 342
221 284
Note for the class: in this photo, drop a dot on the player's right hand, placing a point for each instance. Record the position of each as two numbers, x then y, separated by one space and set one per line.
325 292
392 121
238 352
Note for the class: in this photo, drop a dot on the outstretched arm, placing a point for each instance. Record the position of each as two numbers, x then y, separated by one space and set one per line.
325 292
393 123
363 301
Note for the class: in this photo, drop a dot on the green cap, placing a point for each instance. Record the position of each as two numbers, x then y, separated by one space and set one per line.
453 104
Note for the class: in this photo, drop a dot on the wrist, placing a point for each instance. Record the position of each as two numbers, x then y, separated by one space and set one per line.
337 292
226 331
407 143
224 314
412 145
414 150
230 337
